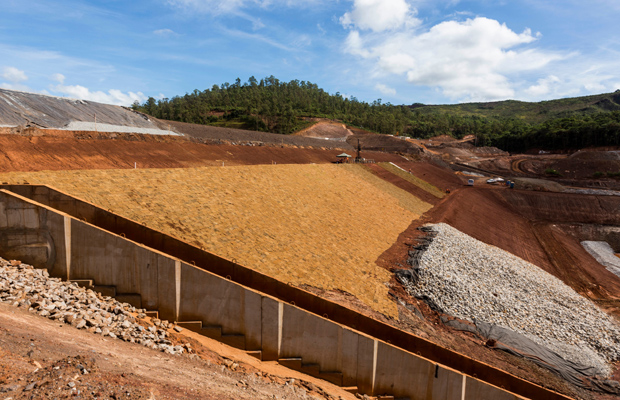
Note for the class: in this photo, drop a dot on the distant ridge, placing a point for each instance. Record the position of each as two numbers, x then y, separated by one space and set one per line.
529 111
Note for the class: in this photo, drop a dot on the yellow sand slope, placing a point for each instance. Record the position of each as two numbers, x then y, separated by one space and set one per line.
320 225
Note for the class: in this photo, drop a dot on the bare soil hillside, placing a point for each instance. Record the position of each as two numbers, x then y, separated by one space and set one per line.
66 150
212 133
326 129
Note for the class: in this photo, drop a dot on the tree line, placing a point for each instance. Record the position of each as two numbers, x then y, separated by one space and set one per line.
271 105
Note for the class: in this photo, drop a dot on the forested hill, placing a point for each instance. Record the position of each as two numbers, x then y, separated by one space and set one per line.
286 107
273 106
531 112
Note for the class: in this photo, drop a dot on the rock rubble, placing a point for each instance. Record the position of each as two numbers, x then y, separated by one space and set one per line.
27 287
471 280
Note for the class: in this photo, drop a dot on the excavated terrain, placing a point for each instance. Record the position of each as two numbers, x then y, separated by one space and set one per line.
66 150
339 231
326 130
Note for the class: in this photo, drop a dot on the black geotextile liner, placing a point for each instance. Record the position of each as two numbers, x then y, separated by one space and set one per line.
514 343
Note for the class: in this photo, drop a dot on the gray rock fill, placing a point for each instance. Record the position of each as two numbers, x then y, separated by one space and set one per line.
33 289
473 281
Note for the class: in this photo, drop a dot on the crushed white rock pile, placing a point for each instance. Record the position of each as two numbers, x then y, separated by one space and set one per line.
99 127
604 254
474 281
33 289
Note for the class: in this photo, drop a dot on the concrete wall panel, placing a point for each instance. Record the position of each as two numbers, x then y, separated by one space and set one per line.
366 364
147 263
213 300
14 216
110 259
349 356
32 233
3 218
478 390
270 327
311 337
447 384
253 320
166 289
403 374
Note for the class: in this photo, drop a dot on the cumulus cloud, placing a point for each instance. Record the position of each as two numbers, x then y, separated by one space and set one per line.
113 96
379 15
14 75
543 87
468 60
580 79
385 89
60 78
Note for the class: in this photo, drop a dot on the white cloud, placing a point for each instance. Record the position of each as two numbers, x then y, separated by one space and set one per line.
385 89
60 78
14 75
164 32
543 86
113 96
15 86
380 15
468 60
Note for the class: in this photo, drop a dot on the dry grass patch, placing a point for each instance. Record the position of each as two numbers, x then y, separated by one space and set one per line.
321 225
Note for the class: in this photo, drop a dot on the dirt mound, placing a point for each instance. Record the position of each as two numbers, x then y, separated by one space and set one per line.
239 136
540 185
588 165
320 225
441 139
489 151
325 129
562 208
22 109
376 142
456 152
586 155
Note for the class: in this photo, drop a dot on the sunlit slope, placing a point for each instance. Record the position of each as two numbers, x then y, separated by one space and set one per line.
321 225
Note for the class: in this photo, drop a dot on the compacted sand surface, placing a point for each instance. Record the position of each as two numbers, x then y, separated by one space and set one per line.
318 225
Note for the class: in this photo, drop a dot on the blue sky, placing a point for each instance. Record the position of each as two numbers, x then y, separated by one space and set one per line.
401 51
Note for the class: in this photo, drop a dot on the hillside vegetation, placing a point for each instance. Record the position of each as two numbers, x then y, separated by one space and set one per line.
530 112
285 107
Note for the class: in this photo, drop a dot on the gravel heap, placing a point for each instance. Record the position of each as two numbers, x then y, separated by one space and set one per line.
604 254
473 281
25 286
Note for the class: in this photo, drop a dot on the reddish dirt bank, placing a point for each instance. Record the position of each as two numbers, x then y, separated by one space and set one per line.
562 207
105 151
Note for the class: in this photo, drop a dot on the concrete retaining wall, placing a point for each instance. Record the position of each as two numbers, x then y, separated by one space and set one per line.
184 292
